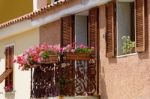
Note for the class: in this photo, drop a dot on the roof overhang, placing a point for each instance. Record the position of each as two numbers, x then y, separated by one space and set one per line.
68 11
15 29
29 24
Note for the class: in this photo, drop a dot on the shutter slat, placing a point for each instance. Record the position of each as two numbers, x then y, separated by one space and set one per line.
67 30
93 41
8 74
140 25
110 29
93 27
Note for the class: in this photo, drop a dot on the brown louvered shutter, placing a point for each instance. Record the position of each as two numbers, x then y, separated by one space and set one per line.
93 21
110 29
9 57
93 41
9 52
67 28
68 37
140 25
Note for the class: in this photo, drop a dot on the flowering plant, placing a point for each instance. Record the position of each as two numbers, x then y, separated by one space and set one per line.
40 53
8 88
36 55
80 49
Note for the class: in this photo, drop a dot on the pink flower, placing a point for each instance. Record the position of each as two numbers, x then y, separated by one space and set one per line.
72 50
35 54
61 50
39 60
82 46
92 48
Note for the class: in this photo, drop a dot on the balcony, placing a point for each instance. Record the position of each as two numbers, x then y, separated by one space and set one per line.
61 72
69 77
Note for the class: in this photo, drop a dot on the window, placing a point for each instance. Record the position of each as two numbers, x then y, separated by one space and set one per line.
125 28
126 19
9 53
81 28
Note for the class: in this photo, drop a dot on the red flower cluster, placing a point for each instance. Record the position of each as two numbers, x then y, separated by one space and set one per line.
38 53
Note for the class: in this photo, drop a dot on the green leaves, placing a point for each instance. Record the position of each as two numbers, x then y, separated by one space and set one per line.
45 54
83 50
127 45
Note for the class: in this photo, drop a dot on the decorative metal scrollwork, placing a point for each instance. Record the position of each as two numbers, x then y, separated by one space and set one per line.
67 78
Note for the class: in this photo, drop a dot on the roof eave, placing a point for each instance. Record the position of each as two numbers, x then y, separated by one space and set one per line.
29 24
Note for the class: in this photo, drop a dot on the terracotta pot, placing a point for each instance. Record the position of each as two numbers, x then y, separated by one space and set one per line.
51 59
77 56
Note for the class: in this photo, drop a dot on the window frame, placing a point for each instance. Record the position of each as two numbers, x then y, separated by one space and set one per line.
117 33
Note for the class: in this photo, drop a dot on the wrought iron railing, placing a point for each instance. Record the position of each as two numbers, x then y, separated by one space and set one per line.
67 78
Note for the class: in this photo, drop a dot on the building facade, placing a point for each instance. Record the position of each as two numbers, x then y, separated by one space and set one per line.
122 68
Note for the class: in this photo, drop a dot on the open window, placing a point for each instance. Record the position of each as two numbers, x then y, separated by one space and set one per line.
81 28
125 19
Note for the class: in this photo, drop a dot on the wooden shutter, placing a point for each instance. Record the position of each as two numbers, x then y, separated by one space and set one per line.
93 21
67 28
9 57
110 29
9 53
93 41
140 25
68 37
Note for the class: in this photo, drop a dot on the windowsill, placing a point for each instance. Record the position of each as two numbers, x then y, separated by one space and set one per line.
126 55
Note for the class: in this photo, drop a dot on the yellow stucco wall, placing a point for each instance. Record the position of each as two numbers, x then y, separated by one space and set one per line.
21 78
10 9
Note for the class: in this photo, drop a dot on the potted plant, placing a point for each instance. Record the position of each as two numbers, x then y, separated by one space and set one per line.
82 52
128 46
37 55
46 54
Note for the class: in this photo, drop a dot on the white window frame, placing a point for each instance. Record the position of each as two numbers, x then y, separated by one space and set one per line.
117 33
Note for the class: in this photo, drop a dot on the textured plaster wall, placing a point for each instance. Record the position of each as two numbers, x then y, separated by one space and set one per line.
123 77
21 78
51 33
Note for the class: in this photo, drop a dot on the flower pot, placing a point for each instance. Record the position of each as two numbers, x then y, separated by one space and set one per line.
51 59
77 56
